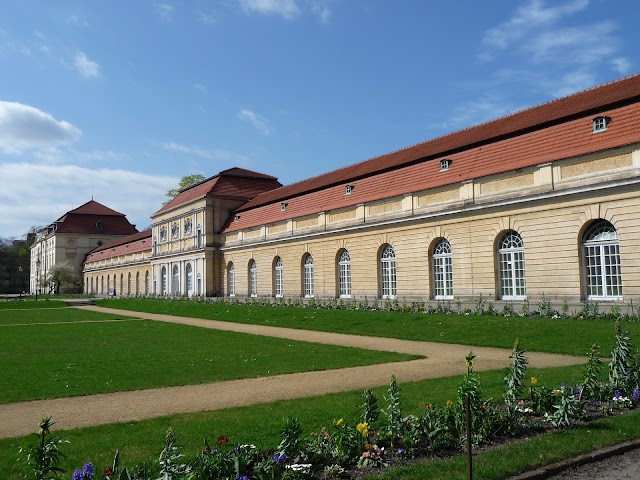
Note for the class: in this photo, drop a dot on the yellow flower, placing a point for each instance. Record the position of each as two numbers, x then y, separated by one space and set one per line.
428 406
483 406
368 447
363 428
339 422
534 380
449 403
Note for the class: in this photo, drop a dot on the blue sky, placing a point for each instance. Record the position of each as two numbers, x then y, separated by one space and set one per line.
120 99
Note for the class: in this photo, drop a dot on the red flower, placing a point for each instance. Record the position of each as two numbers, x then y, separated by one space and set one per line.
222 440
108 471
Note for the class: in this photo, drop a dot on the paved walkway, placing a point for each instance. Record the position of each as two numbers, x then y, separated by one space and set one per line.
18 419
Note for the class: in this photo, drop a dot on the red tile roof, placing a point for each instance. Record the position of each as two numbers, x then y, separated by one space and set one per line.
408 171
557 111
92 218
138 242
233 183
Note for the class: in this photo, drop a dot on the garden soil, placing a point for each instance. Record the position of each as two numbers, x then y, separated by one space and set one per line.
442 360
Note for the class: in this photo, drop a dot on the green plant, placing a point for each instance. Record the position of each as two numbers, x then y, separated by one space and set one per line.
544 307
291 437
370 408
394 411
621 361
42 457
170 466
567 411
592 372
515 375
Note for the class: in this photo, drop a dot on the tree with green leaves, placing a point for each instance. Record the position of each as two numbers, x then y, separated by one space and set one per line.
185 182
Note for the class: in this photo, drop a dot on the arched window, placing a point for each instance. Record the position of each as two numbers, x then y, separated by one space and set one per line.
231 280
163 281
189 279
146 283
102 284
129 284
344 275
388 272
91 285
511 271
108 283
175 281
121 283
137 283
441 260
253 279
278 278
601 257
308 276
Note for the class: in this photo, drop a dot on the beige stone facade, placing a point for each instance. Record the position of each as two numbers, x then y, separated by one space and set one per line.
544 203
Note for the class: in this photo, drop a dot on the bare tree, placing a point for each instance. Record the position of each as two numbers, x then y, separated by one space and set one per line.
61 274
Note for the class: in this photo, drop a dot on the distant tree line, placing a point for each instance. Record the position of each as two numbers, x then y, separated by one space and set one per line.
15 263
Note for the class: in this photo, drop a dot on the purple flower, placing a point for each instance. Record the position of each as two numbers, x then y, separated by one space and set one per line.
78 475
280 457
87 470
635 395
400 451
617 394
243 477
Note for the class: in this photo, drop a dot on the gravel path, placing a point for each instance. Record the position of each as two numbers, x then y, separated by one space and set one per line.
19 419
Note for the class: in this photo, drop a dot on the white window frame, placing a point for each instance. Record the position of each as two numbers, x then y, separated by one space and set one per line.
253 279
600 124
511 267
442 261
601 262
188 273
231 279
308 275
163 280
278 278
344 275
175 281
388 273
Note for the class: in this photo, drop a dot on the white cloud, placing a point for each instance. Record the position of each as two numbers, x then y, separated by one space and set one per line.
288 9
528 17
86 67
574 82
621 65
255 119
575 45
207 154
322 10
54 190
77 21
164 11
23 128
206 18
488 107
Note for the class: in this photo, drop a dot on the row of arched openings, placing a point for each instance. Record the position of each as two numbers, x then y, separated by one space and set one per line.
97 285
175 280
600 255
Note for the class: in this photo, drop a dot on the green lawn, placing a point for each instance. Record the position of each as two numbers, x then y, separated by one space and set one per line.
572 336
261 424
52 315
67 359
31 304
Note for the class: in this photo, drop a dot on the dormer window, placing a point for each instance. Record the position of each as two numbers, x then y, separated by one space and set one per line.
99 226
236 218
445 163
600 124
283 206
348 189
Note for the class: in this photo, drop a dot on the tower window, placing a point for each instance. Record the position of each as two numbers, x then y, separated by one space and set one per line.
348 189
283 206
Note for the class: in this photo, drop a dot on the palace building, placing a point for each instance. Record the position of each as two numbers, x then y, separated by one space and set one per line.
543 202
